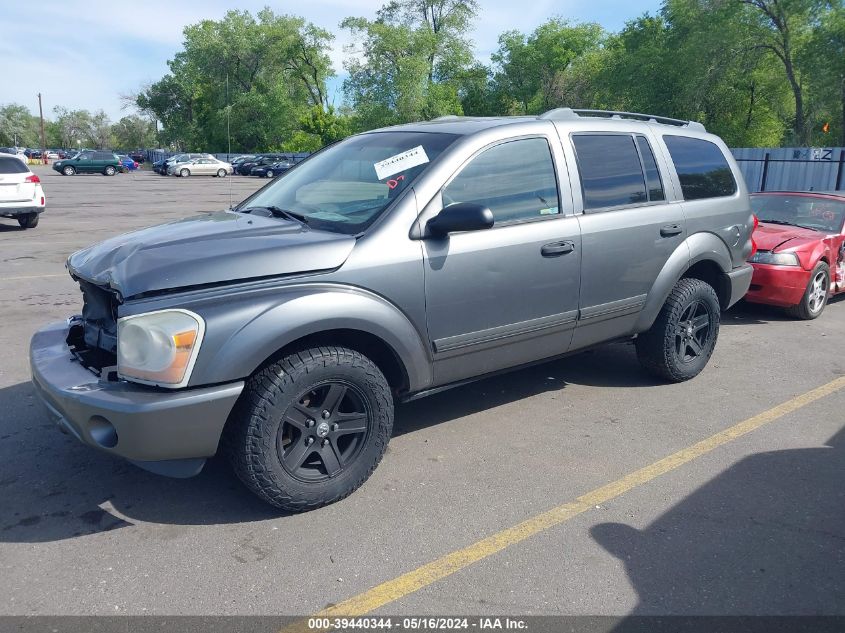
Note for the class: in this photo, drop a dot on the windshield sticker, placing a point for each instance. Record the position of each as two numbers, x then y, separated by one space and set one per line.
401 162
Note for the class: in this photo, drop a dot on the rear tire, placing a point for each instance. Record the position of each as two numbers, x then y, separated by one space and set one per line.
28 221
683 337
269 173
311 428
221 173
68 171
184 173
109 170
815 296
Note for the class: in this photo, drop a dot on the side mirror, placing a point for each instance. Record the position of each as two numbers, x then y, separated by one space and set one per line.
462 216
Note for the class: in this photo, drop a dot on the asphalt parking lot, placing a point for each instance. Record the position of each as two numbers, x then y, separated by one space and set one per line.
751 523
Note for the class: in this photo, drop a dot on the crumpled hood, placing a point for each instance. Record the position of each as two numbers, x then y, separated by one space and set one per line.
218 247
777 237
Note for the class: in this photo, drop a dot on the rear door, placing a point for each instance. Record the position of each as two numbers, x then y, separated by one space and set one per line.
628 229
13 185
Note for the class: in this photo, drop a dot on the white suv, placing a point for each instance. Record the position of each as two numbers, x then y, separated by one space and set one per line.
21 195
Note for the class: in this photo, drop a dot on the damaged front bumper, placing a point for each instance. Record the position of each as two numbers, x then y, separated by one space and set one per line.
167 432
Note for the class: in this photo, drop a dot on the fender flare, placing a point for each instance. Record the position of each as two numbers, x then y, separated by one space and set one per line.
696 248
287 316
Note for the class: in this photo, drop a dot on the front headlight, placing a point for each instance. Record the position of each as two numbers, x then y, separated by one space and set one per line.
159 348
776 259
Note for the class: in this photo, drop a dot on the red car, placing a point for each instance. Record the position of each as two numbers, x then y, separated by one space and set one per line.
800 261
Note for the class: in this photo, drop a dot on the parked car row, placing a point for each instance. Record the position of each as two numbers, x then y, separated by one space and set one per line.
185 165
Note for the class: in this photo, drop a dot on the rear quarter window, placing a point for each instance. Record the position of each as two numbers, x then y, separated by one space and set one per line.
702 168
11 165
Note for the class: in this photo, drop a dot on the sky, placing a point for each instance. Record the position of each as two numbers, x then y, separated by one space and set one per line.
86 55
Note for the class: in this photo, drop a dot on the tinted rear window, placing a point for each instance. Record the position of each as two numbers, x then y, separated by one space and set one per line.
104 156
611 173
702 168
11 165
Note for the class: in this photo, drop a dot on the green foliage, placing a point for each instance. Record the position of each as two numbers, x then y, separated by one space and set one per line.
410 61
756 72
533 70
251 77
133 132
18 126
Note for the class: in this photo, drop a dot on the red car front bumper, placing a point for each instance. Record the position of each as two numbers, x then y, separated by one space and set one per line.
778 285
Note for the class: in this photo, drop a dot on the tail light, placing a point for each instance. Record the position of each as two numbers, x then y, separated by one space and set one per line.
32 178
753 243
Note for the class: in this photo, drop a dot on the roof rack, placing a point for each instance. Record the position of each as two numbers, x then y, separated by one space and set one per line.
570 114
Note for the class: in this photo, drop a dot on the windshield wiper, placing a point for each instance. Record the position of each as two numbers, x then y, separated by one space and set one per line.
778 222
278 212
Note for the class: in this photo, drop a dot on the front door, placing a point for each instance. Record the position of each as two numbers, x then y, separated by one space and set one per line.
508 295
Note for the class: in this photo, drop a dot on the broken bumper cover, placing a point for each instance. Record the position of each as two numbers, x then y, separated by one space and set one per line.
167 432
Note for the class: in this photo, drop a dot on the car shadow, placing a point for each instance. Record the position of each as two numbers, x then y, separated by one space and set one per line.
610 365
55 488
764 537
6 226
745 313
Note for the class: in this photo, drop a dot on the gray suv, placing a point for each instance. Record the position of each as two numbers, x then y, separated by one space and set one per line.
388 266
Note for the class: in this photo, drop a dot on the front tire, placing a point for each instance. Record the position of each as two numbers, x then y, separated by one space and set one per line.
221 173
28 221
109 170
184 173
815 296
68 171
269 173
311 428
683 337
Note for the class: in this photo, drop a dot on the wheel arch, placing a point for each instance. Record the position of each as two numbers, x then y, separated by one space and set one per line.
315 316
701 256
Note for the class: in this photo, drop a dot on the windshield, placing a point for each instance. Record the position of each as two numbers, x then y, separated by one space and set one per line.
809 212
347 186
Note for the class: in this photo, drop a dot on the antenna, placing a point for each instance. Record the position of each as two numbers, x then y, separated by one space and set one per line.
229 135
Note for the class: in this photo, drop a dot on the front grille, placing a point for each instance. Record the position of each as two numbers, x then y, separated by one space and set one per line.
93 336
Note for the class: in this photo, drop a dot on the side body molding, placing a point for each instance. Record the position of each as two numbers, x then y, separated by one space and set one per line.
696 248
276 319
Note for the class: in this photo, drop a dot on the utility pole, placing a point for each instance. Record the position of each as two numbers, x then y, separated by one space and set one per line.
43 140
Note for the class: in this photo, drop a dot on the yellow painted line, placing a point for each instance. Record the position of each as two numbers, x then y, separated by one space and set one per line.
447 565
32 277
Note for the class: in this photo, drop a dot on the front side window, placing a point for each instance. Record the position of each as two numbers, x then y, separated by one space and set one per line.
345 187
702 168
610 168
515 180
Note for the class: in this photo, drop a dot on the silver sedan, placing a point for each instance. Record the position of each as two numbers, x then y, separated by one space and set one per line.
202 167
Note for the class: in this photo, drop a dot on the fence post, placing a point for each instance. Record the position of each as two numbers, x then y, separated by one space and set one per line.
765 172
839 170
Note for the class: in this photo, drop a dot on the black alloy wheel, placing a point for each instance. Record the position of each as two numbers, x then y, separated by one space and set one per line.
323 430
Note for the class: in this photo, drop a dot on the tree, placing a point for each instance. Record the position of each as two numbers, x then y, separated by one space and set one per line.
824 57
18 127
410 60
783 27
134 131
72 128
532 69
252 76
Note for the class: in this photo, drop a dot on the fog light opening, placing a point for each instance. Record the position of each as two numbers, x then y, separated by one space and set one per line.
102 431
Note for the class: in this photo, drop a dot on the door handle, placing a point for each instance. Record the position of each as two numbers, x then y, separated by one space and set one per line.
671 229
556 249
